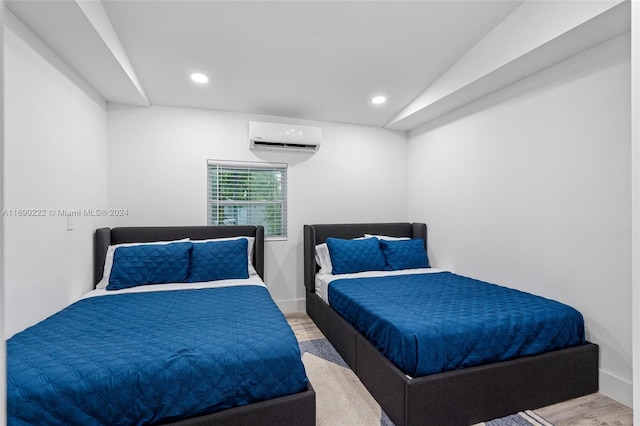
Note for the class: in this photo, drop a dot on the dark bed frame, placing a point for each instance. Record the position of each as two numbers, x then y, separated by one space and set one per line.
460 397
296 409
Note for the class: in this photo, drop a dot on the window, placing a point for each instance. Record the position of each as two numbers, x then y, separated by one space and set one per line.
248 194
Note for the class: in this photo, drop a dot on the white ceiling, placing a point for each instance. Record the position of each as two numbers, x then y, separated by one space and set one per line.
316 60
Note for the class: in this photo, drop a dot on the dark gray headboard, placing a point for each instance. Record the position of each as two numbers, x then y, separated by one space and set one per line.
104 237
318 234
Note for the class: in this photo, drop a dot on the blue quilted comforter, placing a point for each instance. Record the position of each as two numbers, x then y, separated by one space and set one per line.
431 323
146 358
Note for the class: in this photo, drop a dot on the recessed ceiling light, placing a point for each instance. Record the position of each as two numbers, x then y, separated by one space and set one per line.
378 100
199 78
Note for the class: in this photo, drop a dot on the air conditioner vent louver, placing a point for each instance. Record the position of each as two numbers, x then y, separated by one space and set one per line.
284 137
283 145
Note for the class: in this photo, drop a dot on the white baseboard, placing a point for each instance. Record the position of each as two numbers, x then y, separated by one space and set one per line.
616 388
292 306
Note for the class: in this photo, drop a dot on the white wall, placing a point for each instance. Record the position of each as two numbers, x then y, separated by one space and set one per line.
635 209
158 170
3 352
530 187
55 157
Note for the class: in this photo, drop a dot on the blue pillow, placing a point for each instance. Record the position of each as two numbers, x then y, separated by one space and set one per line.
149 264
404 254
219 260
350 256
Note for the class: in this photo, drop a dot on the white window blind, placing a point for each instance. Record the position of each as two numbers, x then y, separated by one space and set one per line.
247 193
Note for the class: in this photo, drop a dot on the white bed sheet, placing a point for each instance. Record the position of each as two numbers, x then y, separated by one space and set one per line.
252 280
323 280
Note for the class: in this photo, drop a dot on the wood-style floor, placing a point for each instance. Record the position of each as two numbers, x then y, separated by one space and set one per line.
591 410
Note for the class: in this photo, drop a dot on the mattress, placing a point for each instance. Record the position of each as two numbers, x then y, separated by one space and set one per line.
152 357
435 322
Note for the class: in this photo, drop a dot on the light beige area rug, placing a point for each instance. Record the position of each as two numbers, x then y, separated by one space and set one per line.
341 399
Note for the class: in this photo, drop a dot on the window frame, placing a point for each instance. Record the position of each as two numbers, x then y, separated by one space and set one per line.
214 203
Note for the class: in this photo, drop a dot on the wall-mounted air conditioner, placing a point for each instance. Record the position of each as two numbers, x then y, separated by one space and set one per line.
284 137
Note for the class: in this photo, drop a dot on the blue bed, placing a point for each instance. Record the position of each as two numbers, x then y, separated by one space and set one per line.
188 352
378 326
145 358
437 322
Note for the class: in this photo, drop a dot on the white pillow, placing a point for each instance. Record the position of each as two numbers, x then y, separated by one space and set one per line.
323 259
250 242
386 237
108 261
